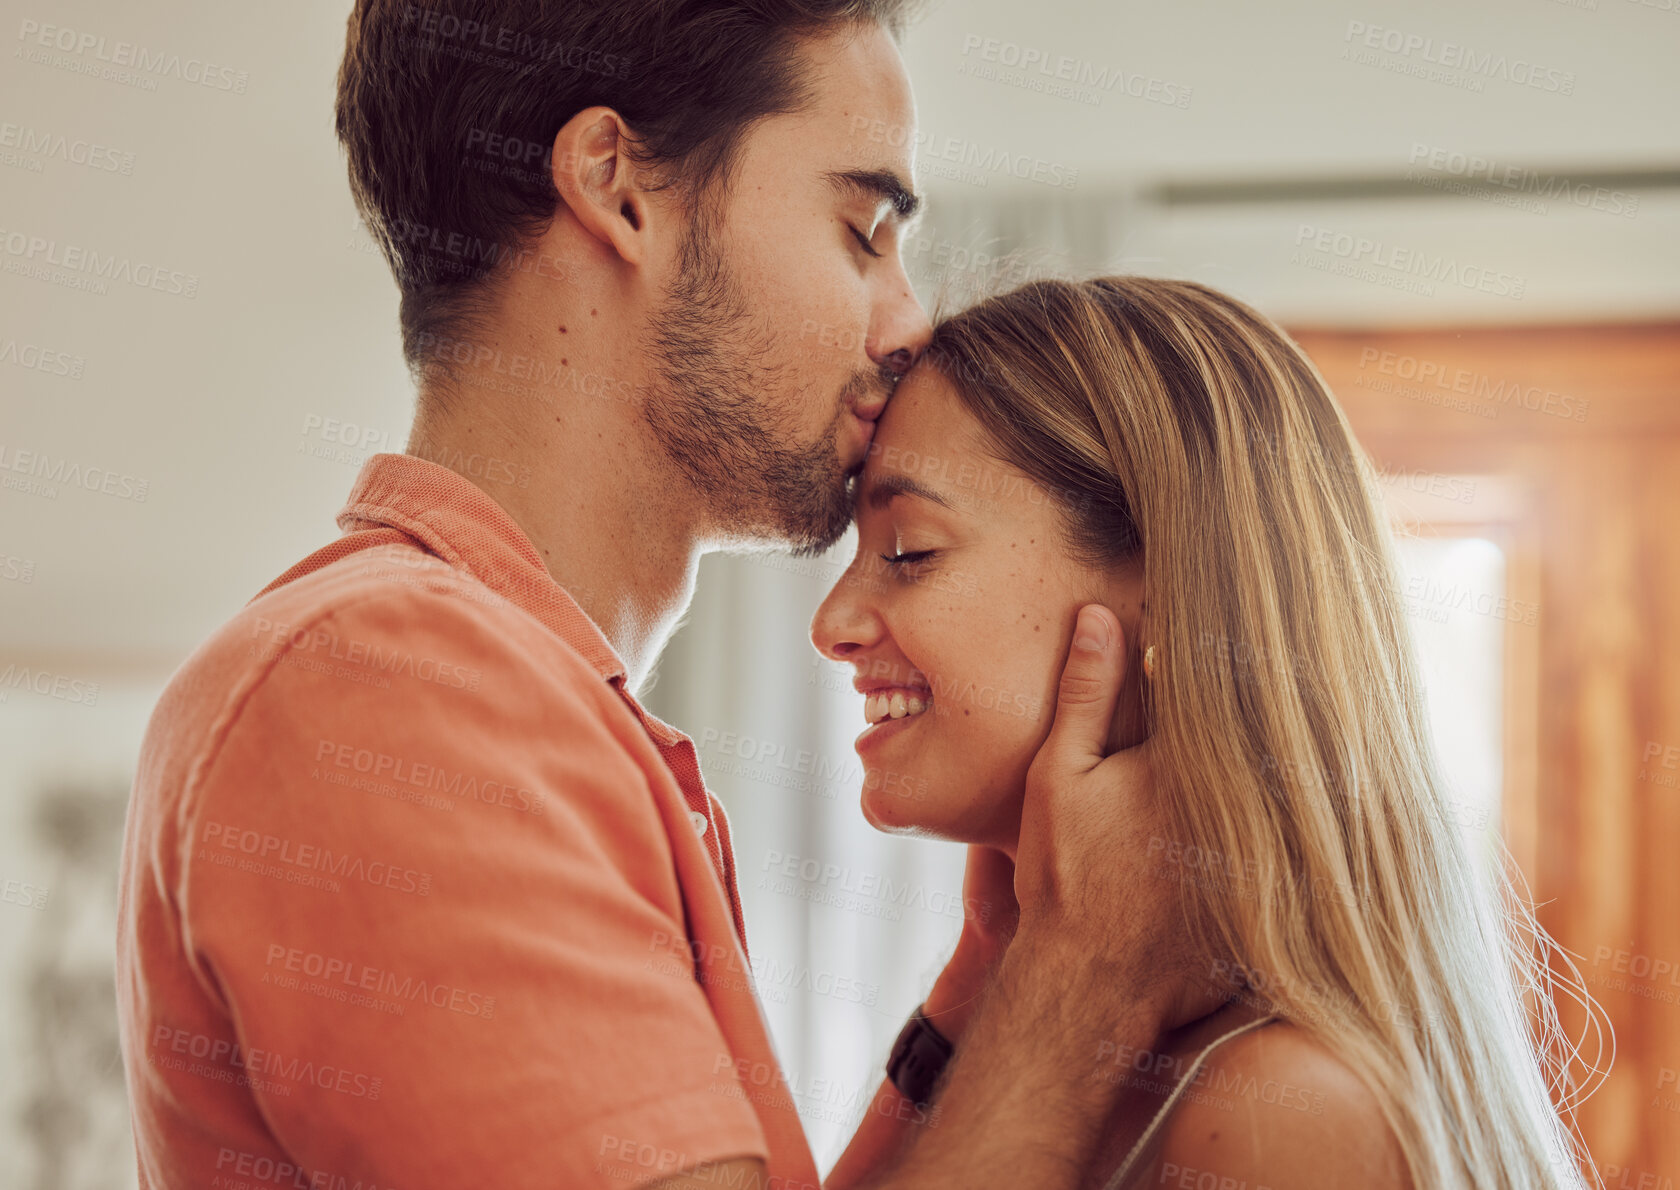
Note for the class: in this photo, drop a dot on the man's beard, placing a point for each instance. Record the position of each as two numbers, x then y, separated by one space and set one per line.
709 405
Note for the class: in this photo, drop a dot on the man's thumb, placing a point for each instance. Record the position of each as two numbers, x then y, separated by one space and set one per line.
1086 697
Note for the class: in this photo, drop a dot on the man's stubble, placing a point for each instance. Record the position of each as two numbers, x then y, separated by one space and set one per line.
711 405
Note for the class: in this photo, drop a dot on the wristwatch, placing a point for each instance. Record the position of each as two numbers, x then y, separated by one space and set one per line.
918 1058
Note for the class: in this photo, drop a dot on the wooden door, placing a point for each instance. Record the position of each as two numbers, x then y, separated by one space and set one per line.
1577 428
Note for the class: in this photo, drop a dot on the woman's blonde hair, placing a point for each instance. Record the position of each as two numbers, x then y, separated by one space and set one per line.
1287 708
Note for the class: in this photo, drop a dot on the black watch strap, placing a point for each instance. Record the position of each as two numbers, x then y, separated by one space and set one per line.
918 1058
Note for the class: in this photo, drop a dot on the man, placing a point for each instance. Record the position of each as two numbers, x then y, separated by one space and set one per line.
414 892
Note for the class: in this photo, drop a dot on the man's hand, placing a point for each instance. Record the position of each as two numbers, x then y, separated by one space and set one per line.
1084 875
990 917
990 910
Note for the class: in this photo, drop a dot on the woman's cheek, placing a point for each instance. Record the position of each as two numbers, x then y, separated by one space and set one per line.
1014 705
1040 676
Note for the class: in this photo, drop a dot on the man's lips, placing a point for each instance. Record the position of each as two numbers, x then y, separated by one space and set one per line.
869 410
866 396
864 430
866 401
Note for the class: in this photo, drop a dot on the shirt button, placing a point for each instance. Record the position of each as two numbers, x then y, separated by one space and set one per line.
700 822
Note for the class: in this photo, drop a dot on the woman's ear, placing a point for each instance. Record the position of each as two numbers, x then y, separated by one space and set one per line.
1123 594
1130 727
601 183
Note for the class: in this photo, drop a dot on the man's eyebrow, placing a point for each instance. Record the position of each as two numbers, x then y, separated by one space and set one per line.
883 185
887 488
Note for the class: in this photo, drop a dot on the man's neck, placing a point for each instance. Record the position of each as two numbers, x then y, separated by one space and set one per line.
572 469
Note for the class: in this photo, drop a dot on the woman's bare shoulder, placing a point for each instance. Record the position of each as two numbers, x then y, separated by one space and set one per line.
1276 1108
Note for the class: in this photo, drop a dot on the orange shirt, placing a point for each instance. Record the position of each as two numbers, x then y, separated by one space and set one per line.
414 894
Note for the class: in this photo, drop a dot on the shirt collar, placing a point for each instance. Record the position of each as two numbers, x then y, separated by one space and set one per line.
457 520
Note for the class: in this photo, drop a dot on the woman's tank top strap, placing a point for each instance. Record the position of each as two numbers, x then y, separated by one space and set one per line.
1146 1143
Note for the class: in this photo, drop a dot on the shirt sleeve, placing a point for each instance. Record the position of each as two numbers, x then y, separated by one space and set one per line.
428 881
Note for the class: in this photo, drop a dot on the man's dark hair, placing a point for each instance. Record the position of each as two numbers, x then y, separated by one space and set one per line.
448 110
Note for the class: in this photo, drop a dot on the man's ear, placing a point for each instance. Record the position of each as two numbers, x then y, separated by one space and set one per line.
600 183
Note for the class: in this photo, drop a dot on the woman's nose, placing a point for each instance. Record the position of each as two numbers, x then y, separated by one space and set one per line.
843 623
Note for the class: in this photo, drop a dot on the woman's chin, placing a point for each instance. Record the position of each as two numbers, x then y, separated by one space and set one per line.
897 812
884 811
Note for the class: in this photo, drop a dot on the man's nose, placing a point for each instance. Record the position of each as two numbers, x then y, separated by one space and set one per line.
904 333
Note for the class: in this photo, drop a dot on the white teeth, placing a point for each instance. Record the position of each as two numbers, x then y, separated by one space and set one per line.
878 708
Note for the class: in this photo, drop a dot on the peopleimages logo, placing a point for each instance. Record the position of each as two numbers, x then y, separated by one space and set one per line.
1451 56
38 38
1458 172
833 878
1486 394
958 152
1380 259
374 656
41 359
1036 69
60 686
38 142
46 472
478 41
222 1055
420 774
47 259
1444 597
351 976
310 859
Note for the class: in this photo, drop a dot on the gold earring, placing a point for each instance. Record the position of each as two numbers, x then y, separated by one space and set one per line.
1149 662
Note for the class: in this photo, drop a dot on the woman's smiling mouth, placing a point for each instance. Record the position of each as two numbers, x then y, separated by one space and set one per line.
898 703
891 710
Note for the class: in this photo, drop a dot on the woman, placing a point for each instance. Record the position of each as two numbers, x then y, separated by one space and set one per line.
1162 449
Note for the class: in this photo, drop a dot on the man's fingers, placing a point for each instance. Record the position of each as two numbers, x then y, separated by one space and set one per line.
989 888
1086 697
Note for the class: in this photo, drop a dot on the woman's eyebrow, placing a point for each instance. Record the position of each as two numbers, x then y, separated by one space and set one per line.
884 490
